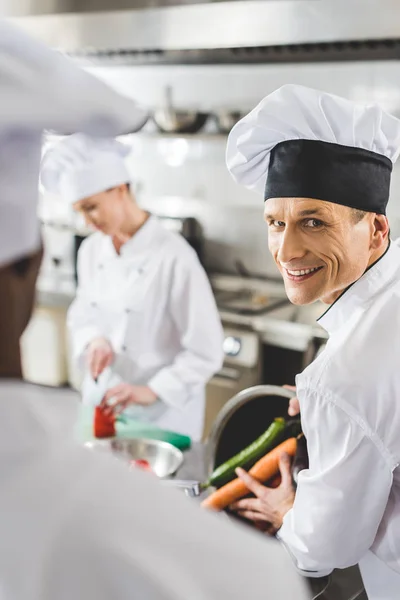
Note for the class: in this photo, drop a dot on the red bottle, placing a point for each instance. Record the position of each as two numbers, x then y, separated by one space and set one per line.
103 425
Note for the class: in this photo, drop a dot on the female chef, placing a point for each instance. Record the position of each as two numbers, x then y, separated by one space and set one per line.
144 320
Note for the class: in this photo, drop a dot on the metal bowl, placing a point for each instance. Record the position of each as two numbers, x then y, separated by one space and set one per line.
226 119
170 120
163 458
179 121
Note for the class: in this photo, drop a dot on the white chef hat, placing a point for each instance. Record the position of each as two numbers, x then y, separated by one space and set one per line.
80 166
41 89
304 143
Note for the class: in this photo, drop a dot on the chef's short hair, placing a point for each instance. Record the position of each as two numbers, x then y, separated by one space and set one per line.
128 186
358 215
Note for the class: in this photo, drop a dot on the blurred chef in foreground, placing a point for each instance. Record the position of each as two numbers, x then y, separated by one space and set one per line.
55 95
144 306
323 165
74 524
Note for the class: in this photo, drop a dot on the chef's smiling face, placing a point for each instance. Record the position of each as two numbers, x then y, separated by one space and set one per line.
321 248
105 211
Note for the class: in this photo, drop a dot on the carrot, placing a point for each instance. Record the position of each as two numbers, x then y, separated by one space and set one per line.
264 469
103 425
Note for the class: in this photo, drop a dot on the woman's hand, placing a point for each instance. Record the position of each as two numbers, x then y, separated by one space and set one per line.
124 394
99 356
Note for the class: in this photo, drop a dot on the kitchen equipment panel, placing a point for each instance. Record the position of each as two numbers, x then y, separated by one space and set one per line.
241 369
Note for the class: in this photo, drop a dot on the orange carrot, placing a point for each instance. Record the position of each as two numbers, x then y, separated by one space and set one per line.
264 469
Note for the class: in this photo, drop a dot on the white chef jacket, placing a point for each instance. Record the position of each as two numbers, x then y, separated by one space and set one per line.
154 303
80 525
347 506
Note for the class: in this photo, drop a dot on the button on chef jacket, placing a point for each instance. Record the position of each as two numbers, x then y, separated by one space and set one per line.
79 525
154 303
347 506
42 90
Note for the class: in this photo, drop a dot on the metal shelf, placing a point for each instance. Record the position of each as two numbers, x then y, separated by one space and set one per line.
356 50
199 136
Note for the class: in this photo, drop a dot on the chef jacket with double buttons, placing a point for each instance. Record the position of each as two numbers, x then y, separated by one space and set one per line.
154 303
347 506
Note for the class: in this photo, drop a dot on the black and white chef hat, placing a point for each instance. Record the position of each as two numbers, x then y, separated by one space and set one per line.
304 143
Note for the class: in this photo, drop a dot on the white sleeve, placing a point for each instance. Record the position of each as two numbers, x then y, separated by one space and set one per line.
341 498
124 536
83 322
42 89
195 314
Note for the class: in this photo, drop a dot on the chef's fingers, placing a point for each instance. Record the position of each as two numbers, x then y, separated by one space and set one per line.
294 407
96 362
292 388
117 390
104 360
285 467
93 364
103 403
116 394
251 515
120 402
253 504
252 484
120 407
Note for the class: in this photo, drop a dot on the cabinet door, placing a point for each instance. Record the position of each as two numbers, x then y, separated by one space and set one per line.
43 347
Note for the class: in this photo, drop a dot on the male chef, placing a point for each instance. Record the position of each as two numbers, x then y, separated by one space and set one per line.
75 525
323 165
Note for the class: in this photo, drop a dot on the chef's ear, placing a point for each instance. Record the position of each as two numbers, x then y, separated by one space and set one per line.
380 231
125 189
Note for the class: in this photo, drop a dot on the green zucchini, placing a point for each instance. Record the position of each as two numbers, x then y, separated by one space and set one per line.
251 453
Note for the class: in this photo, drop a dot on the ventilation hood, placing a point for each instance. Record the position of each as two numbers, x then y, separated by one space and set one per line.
248 28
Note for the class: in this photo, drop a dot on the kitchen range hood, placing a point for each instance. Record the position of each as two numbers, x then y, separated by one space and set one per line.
235 31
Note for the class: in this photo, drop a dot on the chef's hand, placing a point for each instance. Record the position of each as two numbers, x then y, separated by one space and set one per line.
124 394
294 406
270 505
99 355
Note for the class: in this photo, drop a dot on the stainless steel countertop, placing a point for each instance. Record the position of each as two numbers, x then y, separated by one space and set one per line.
291 327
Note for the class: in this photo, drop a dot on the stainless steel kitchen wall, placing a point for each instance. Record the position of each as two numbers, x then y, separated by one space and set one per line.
101 25
43 7
186 176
